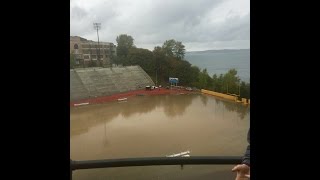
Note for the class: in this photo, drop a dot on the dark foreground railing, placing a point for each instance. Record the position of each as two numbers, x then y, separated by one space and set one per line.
152 161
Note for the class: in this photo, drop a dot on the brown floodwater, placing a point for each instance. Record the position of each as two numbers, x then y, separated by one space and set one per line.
156 126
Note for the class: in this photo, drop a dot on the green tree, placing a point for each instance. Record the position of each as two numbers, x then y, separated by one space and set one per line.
72 61
142 57
168 46
125 43
231 82
203 79
179 50
245 90
214 82
219 83
112 56
159 58
174 49
181 71
194 76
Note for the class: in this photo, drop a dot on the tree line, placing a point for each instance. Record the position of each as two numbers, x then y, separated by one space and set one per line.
168 61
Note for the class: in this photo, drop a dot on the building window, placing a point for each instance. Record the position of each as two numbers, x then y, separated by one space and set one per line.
76 46
86 51
85 46
78 56
93 51
86 56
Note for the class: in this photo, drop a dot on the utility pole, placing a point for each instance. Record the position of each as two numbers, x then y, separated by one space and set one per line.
97 26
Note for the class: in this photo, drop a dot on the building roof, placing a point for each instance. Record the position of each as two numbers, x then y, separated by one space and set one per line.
89 41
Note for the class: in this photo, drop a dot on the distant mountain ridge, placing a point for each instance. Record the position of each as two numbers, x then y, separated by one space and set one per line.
220 61
217 50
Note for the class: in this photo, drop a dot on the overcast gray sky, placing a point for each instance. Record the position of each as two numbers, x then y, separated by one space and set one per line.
198 24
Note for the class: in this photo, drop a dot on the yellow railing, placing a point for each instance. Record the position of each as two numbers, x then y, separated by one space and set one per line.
226 96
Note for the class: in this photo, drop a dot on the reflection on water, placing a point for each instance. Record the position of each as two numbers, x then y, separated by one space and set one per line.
204 99
147 126
242 110
200 172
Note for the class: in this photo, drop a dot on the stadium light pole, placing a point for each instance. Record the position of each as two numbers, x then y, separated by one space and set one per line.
97 26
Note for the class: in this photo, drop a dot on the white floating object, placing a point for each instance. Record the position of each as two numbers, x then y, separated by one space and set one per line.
182 154
122 99
81 104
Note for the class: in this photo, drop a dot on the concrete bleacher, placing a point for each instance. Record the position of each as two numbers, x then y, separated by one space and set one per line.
96 82
77 88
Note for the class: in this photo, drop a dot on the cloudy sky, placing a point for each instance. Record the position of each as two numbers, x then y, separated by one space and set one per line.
198 24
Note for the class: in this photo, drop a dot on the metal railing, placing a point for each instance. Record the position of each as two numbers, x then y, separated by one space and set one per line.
151 161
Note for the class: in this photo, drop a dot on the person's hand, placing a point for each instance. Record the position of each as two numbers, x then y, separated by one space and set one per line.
243 171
